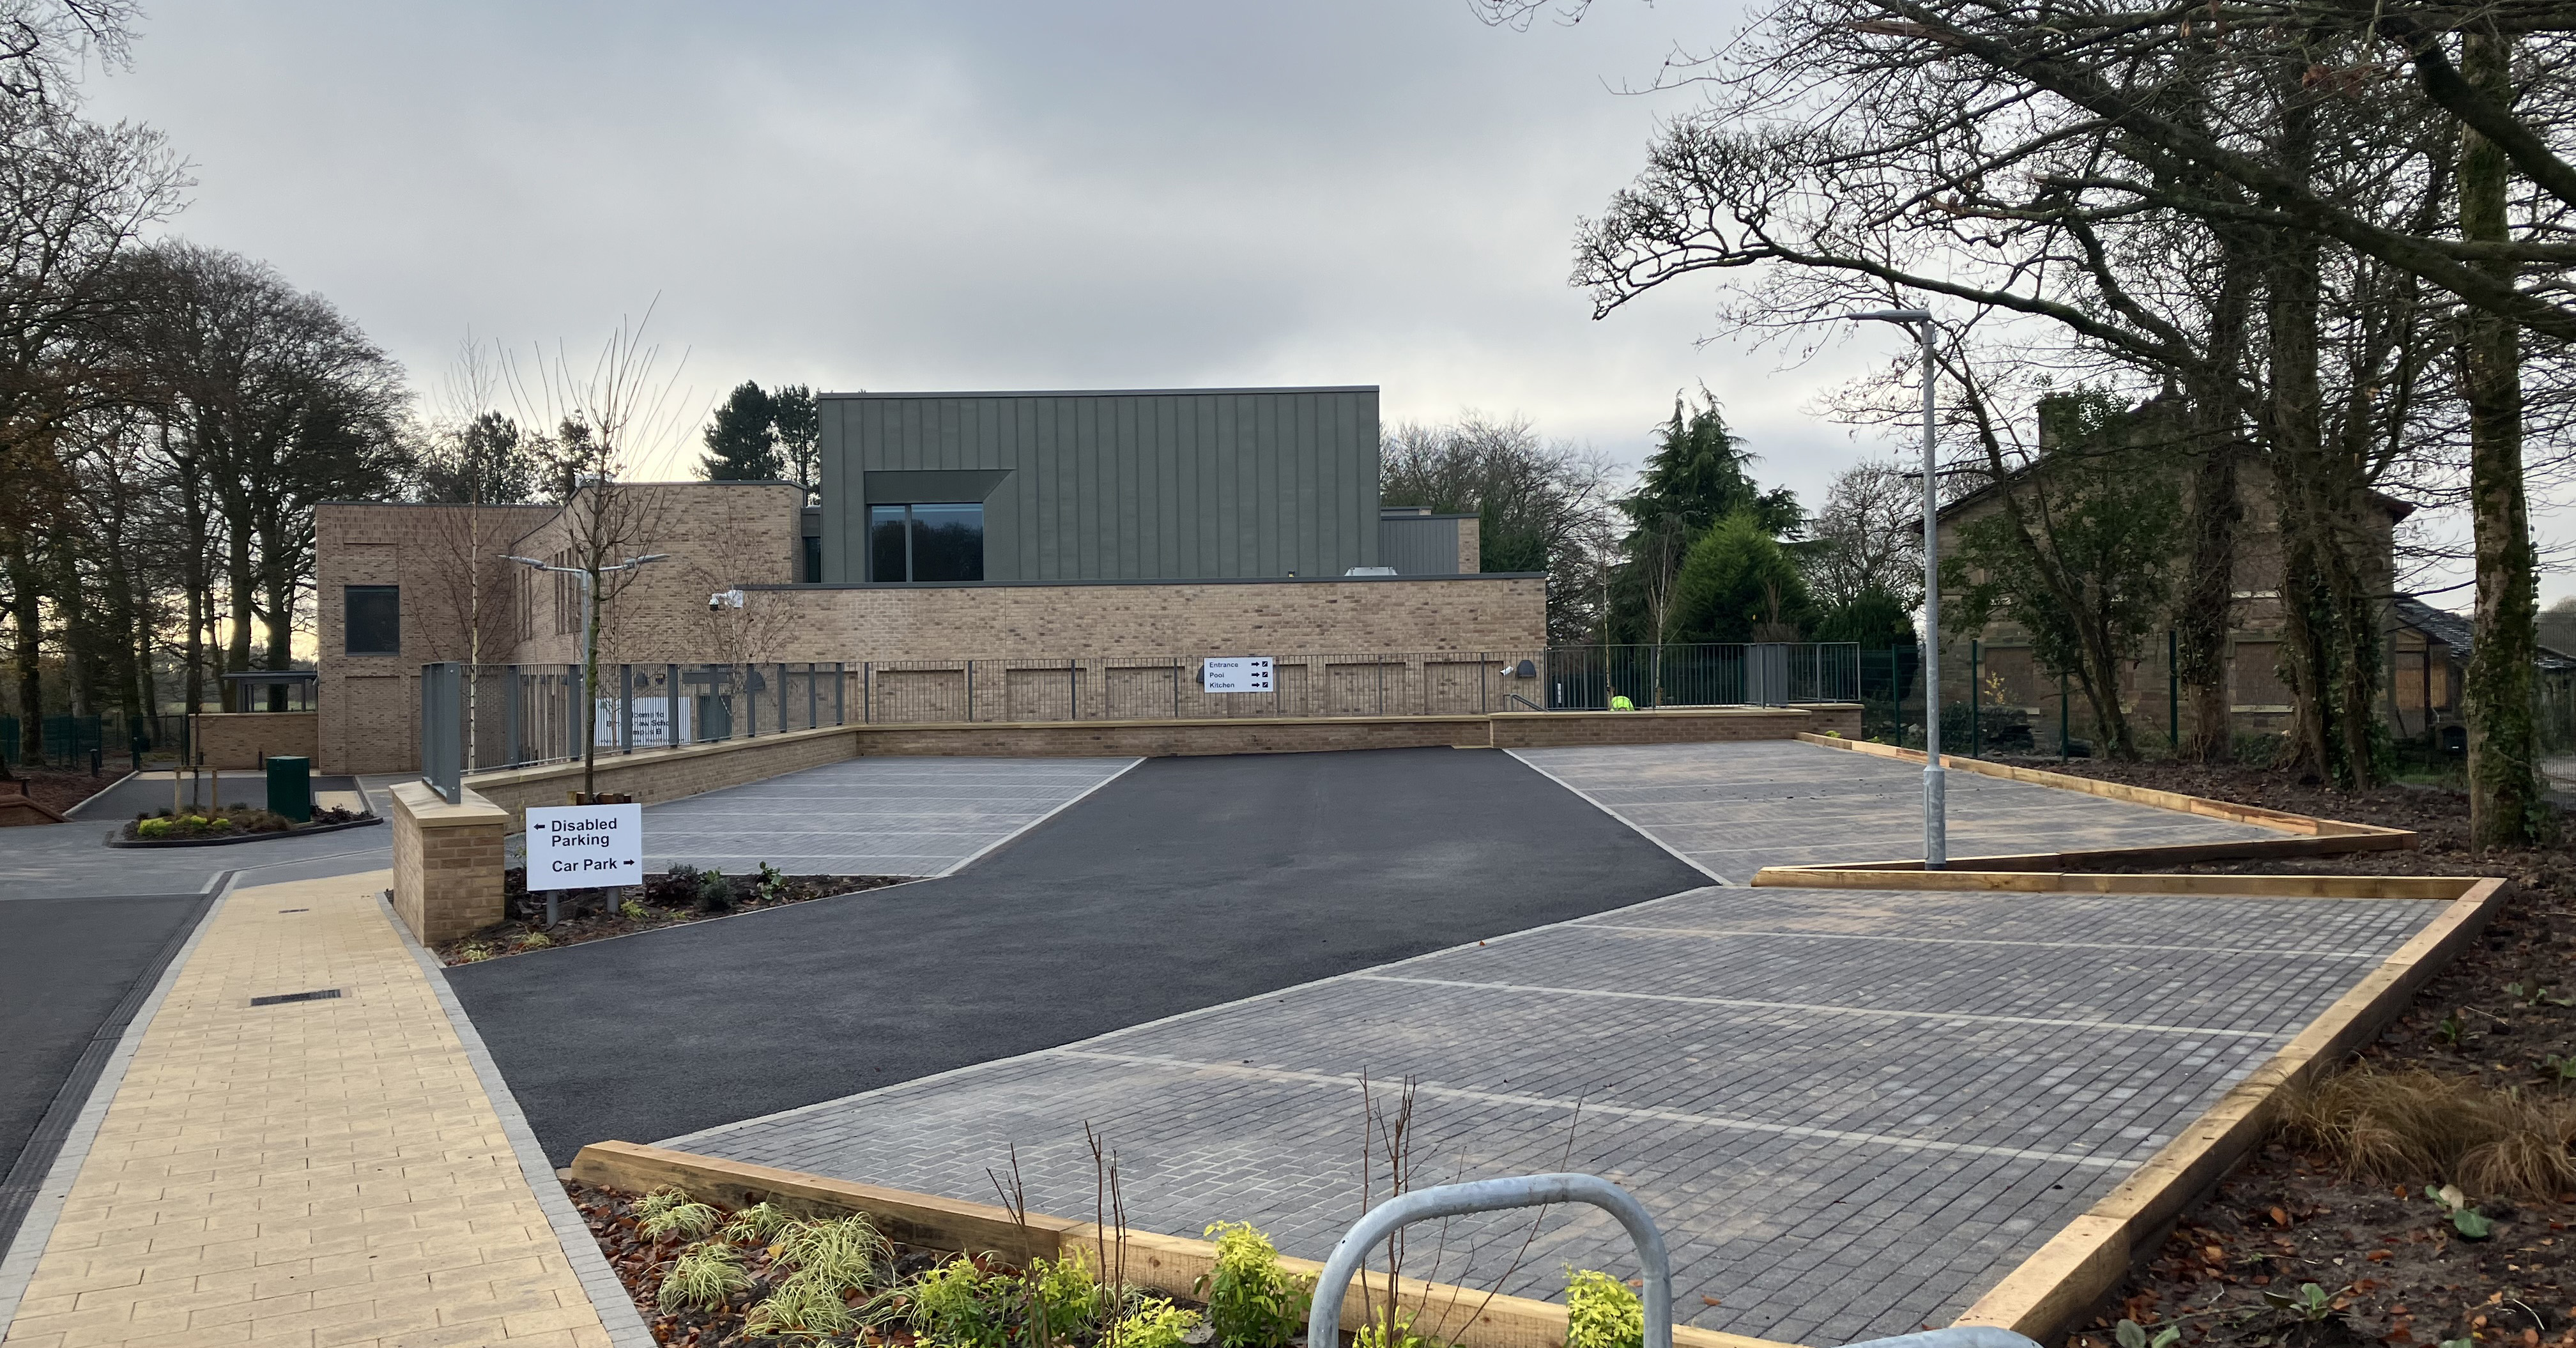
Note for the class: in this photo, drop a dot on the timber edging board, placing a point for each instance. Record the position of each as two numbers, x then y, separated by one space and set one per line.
1171 1265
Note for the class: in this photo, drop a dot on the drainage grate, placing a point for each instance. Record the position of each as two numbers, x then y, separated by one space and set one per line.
323 995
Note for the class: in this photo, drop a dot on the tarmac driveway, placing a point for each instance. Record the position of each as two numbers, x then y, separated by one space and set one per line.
1185 883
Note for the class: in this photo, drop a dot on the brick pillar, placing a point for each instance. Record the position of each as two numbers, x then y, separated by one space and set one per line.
447 862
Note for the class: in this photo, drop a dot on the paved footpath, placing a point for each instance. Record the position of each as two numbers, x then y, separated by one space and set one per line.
312 1172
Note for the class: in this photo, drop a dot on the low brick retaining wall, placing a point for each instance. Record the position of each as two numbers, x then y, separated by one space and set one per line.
669 774
239 739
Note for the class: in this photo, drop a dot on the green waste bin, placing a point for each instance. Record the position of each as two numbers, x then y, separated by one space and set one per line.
290 787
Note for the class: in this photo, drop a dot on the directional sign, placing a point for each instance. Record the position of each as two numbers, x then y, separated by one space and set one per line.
585 846
1238 674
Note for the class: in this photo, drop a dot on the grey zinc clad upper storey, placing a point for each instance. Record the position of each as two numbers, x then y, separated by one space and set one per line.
1188 484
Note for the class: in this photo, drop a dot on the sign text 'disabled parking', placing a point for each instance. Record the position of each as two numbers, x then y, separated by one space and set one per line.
585 846
1238 674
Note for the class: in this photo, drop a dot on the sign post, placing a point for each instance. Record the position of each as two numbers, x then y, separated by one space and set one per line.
1237 674
584 847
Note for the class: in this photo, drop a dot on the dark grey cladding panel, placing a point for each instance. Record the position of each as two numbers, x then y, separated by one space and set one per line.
1419 545
1162 485
934 487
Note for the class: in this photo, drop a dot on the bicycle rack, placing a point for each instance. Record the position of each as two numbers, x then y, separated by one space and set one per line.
1332 1286
1324 1320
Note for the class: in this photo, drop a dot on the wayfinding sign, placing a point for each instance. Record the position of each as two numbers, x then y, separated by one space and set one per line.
585 846
1238 674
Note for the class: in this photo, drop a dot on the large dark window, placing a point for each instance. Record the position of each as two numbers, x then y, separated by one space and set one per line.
926 542
375 620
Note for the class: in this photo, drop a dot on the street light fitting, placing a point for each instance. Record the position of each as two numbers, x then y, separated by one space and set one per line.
1896 315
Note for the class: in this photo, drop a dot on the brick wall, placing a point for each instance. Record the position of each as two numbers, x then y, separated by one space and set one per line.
668 774
238 739
454 589
716 535
447 862
1471 552
1283 617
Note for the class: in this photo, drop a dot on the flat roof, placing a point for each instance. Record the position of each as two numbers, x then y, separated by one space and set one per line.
1111 392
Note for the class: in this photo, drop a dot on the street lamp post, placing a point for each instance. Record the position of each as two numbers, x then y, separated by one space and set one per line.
587 710
1936 840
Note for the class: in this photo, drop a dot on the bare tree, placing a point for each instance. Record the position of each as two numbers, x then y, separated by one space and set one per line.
1868 537
609 420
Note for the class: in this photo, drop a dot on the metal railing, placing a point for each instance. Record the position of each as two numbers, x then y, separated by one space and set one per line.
528 715
442 729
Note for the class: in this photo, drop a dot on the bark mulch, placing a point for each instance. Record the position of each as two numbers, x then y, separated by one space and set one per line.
2388 1264
670 900
59 789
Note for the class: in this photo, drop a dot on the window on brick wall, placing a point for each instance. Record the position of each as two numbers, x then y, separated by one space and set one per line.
374 625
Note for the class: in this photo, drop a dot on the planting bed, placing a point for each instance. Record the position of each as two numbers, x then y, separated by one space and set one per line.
642 1264
673 899
57 789
2345 1210
229 823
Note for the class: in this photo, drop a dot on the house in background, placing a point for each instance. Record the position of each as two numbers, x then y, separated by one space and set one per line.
2426 654
2428 663
1088 540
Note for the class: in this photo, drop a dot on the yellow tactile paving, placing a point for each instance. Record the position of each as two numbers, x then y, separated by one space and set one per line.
317 1173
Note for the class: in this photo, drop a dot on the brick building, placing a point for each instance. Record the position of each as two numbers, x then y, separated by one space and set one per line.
1024 526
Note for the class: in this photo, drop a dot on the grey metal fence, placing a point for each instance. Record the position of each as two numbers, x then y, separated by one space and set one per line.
524 715
442 728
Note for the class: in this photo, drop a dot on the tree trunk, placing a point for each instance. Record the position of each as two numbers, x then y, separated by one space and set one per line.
27 617
2293 422
245 601
2504 785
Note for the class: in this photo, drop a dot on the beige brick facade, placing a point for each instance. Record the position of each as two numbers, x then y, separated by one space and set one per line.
447 862
719 536
454 588
243 739
1465 614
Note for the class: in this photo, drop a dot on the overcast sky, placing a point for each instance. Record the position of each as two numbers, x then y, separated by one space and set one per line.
979 195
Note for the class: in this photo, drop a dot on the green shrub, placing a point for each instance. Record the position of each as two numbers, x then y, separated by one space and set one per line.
761 1221
715 893
703 1276
803 1304
670 1211
772 882
843 1252
635 911
151 828
1374 1335
958 1305
1602 1312
1067 1297
1251 1301
1153 1323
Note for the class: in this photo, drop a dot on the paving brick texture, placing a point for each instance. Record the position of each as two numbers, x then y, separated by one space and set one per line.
869 816
1850 1112
1733 809
317 1172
